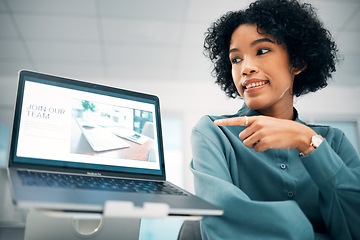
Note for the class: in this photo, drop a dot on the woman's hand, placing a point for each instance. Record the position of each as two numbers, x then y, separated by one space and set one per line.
264 132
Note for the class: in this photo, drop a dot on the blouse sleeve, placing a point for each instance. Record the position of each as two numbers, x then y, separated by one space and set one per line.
242 218
335 168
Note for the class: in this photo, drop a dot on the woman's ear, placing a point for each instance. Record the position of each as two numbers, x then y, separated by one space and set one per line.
298 70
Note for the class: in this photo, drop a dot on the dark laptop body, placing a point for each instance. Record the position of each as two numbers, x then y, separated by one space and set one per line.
55 121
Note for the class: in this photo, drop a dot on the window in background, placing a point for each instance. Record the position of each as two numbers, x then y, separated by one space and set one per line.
173 150
4 143
168 229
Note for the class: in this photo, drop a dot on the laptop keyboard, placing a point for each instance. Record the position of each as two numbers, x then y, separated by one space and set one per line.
32 178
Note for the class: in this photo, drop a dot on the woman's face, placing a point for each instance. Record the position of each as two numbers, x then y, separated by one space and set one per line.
261 69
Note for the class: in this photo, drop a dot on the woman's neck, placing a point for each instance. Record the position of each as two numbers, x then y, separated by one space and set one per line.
280 110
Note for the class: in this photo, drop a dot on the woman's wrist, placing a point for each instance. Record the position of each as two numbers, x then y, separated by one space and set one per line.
316 140
304 141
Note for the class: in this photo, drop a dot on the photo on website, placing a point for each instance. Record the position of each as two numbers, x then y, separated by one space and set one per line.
102 129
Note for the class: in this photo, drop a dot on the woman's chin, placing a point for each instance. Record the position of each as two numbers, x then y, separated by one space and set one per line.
255 105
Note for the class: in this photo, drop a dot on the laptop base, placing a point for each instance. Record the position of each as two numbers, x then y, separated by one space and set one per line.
120 219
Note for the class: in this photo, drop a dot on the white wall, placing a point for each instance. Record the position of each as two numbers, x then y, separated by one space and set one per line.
190 100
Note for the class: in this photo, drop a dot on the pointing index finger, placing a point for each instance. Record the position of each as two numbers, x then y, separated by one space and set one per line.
240 121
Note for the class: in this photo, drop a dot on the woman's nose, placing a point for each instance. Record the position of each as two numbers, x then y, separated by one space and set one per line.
249 67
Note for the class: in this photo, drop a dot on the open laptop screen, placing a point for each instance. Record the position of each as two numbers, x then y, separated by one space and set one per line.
67 123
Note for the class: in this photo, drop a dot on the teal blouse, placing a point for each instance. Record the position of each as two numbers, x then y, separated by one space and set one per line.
276 194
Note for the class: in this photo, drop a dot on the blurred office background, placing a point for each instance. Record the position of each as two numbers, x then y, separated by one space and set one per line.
155 46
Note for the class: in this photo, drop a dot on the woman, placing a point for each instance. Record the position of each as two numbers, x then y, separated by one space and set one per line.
275 176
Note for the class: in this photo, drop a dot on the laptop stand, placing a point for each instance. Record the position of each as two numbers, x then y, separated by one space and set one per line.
120 220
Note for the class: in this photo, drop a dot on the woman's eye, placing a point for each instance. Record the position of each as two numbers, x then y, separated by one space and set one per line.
235 60
262 51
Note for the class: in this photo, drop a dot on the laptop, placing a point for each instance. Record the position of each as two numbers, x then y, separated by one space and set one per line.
75 145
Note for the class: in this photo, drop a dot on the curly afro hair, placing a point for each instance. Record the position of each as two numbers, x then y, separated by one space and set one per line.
290 22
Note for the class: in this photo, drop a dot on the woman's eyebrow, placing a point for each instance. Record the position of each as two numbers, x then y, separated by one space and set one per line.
260 41
253 44
233 50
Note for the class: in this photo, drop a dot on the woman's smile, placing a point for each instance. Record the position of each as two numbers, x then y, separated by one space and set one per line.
254 85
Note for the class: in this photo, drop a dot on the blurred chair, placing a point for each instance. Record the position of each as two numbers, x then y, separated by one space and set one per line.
190 230
148 130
